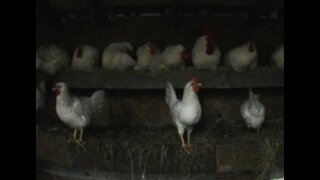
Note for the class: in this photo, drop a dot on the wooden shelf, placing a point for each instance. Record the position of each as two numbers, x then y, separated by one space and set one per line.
218 79
77 4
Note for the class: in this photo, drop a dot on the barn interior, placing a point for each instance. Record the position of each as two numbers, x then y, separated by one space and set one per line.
134 137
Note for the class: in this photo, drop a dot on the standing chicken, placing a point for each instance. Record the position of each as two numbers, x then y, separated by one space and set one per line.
77 112
149 57
205 53
185 113
116 57
253 111
54 59
243 57
40 95
84 58
174 56
277 56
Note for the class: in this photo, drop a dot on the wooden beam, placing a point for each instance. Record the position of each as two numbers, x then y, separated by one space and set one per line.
218 79
78 4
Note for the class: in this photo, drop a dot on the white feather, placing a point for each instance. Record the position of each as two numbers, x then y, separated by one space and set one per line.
54 58
241 59
172 56
185 113
89 58
77 112
115 56
147 61
253 111
200 59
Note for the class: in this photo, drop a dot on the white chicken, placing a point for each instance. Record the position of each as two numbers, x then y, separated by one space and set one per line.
174 56
54 59
243 57
77 112
116 57
84 58
40 95
253 111
185 113
149 57
277 56
205 53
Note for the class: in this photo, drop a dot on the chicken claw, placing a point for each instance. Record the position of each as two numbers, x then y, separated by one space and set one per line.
184 148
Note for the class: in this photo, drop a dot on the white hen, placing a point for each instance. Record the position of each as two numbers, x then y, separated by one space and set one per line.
174 56
187 112
253 111
74 111
54 58
278 56
84 58
243 57
149 57
40 95
116 57
205 53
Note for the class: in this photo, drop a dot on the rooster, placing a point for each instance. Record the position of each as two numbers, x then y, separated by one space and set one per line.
174 56
116 57
185 113
205 53
77 112
253 111
84 58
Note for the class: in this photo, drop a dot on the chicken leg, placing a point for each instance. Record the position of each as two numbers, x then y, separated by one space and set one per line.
183 146
74 137
79 141
189 130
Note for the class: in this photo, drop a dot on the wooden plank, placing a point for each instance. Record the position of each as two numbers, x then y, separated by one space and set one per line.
218 79
78 4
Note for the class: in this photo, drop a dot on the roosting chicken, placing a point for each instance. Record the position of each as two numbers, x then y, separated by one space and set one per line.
243 57
52 59
116 57
174 56
205 53
77 112
149 57
253 111
185 113
84 58
277 56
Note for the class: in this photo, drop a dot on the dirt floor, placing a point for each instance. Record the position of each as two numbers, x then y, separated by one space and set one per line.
157 150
